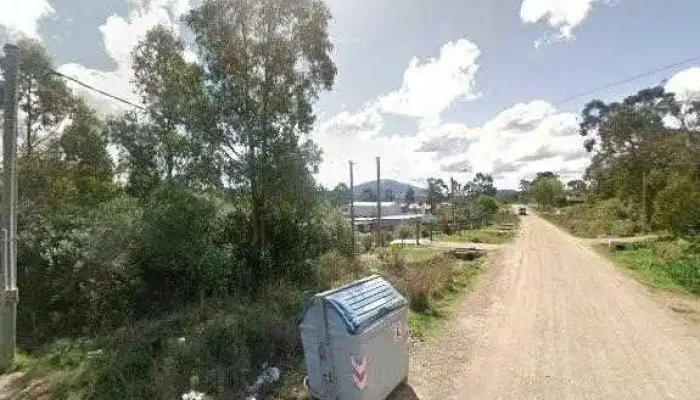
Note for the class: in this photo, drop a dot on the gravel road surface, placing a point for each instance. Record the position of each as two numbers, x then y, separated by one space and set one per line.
554 320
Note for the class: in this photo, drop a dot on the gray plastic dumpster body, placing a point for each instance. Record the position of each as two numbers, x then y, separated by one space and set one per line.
356 341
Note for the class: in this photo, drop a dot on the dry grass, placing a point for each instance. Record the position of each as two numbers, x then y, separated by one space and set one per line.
335 269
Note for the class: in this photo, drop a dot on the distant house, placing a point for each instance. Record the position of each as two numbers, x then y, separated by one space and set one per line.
392 215
369 208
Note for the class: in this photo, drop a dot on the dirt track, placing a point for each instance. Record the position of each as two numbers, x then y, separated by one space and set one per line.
554 320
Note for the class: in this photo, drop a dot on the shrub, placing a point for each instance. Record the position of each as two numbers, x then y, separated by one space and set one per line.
671 251
367 241
405 232
387 238
623 228
677 207
395 262
182 257
446 228
78 270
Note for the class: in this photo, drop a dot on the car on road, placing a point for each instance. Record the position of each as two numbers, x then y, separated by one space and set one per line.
522 211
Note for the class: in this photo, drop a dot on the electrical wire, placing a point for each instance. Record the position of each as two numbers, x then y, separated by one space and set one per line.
100 91
626 80
556 103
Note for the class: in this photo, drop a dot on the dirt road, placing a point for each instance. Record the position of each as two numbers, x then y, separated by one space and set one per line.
554 320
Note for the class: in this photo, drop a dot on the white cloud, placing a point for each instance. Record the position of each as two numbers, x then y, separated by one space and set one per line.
22 16
431 86
685 84
562 15
428 88
367 122
515 144
398 157
120 35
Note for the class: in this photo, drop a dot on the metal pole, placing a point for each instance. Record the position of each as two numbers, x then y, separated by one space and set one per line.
8 284
352 206
379 205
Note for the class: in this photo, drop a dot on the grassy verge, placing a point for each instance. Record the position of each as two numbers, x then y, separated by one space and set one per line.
501 230
669 264
422 323
486 235
410 252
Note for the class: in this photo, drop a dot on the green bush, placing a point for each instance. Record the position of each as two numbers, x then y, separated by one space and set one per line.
677 206
623 228
671 251
78 270
182 257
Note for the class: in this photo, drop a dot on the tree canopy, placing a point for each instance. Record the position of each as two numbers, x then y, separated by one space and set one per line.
638 150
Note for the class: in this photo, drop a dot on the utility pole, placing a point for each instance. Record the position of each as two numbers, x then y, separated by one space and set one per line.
453 204
352 206
8 222
379 205
644 201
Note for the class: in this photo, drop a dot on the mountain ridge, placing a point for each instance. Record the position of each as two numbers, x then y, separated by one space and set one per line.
398 188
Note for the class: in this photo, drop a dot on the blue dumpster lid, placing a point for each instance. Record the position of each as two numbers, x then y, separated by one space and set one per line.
363 302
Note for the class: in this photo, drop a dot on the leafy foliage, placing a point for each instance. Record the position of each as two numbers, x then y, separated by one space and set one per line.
637 155
677 206
546 189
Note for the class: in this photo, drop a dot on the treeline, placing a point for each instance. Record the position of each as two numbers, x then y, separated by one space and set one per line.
646 152
466 205
645 166
212 194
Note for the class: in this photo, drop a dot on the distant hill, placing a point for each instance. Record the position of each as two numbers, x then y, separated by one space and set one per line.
507 194
398 188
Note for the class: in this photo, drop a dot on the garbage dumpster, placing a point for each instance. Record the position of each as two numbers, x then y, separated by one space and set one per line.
355 341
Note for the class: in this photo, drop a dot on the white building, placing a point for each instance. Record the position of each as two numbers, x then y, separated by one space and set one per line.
393 215
368 209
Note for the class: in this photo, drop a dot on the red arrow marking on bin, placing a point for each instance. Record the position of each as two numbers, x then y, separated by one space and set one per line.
359 377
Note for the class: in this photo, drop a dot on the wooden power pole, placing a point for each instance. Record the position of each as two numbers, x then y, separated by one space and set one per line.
379 205
8 221
644 201
352 206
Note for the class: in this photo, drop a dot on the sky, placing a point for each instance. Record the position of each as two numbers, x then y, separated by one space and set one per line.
443 88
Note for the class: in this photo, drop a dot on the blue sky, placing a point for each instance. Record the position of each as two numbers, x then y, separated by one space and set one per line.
436 88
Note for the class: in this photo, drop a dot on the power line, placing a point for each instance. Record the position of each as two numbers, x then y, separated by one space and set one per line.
556 103
626 80
100 91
